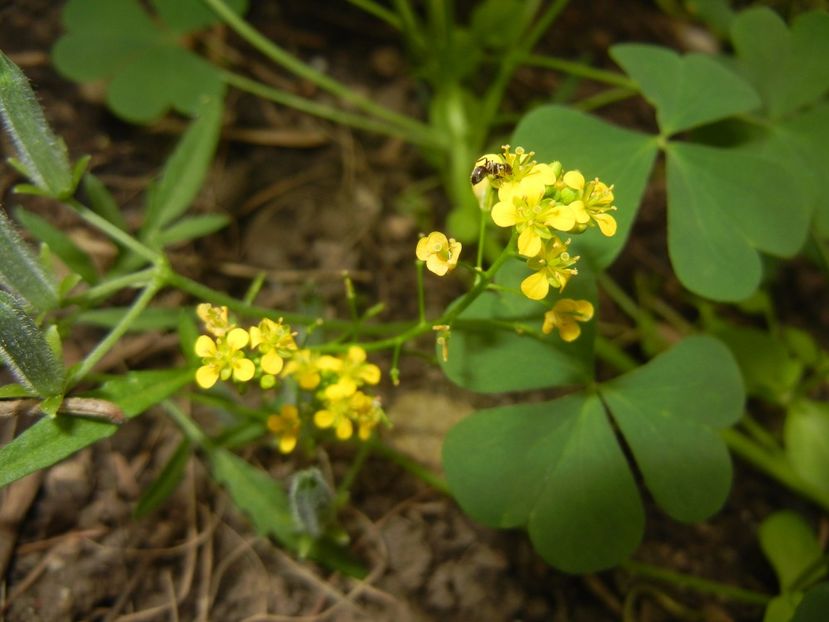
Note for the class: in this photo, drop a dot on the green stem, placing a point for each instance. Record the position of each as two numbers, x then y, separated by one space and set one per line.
117 234
243 83
193 433
306 72
495 93
775 465
699 584
421 296
343 491
379 11
581 70
140 303
107 288
621 298
412 466
605 98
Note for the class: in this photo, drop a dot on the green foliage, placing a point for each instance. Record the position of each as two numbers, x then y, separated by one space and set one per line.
814 605
493 360
52 439
558 469
25 351
42 156
60 244
165 482
147 69
794 552
806 434
21 273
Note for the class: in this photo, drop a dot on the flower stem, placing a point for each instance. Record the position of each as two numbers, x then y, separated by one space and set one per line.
581 70
412 466
421 302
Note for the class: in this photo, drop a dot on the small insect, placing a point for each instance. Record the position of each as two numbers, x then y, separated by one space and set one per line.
488 167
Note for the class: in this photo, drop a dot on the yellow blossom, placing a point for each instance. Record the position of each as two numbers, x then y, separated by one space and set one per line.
303 368
285 427
552 267
343 413
532 218
366 413
352 372
440 254
223 358
598 198
214 318
336 415
565 315
275 341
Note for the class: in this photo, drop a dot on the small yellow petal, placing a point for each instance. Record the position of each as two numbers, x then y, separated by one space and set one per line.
422 250
205 347
287 443
370 374
309 380
272 363
607 224
243 370
569 331
344 429
574 179
503 214
323 418
579 212
437 265
255 336
356 354
329 363
529 243
206 376
238 338
562 218
535 286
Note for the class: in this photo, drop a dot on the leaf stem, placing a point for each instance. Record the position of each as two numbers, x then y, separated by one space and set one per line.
306 72
411 465
581 70
699 584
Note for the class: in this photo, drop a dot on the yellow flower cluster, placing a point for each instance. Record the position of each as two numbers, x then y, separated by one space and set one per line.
330 395
543 201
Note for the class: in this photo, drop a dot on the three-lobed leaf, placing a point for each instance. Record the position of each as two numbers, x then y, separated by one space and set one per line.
786 65
148 70
723 208
687 91
558 469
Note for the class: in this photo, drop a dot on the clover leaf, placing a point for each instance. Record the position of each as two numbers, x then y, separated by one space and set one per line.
147 68
558 469
687 91
787 66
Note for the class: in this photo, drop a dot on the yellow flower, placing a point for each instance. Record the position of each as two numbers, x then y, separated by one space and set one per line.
223 358
532 182
275 341
303 367
285 426
532 218
598 198
552 266
352 371
440 254
565 315
342 413
214 319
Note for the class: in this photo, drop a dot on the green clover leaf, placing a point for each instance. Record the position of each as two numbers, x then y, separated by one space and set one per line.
787 66
147 69
558 469
687 91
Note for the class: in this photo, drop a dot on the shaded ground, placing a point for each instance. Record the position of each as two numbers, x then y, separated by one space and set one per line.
310 202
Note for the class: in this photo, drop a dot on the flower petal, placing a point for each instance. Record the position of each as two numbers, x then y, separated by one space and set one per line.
272 363
205 347
437 265
574 179
529 243
323 419
287 443
535 286
607 224
503 214
243 370
206 376
344 429
238 338
569 331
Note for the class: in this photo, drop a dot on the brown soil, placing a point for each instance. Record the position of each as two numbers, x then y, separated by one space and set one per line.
312 201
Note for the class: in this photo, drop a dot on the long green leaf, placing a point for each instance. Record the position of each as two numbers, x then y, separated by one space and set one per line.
21 272
40 153
25 351
185 170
